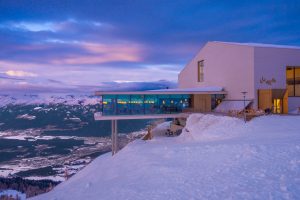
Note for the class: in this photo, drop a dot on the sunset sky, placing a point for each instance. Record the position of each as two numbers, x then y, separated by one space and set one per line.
94 43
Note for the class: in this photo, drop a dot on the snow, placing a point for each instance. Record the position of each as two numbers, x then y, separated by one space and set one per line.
26 116
14 194
216 157
75 119
198 89
261 45
226 106
295 112
44 98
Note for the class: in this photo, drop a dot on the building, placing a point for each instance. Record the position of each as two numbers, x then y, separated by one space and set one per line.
221 77
270 74
215 79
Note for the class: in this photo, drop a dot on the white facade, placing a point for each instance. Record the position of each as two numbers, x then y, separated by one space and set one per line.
241 67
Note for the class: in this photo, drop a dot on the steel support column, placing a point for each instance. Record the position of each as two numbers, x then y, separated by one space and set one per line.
114 136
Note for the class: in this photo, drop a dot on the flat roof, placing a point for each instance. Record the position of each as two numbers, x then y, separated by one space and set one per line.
200 90
261 45
145 116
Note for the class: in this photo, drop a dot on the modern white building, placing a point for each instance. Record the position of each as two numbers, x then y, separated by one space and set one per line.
270 74
215 80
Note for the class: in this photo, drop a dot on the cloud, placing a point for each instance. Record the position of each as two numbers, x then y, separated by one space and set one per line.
51 26
10 86
135 86
35 27
10 78
20 73
88 43
103 53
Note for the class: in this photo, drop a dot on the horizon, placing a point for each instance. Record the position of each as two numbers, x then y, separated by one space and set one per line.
66 46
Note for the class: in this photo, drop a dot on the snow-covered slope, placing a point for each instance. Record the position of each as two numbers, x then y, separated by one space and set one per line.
216 157
44 98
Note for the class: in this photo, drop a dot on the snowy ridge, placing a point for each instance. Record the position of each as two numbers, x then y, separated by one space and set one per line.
37 99
210 127
216 157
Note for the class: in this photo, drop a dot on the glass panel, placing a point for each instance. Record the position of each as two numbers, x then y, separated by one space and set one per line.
164 104
297 81
123 104
151 105
290 81
277 106
137 105
216 99
185 101
144 104
175 103
109 104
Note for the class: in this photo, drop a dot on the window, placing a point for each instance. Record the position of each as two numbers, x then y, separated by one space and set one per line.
293 81
200 71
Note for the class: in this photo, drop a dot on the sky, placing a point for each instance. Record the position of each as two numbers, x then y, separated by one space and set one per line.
76 44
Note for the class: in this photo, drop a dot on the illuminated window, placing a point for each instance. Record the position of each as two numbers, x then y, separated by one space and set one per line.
200 71
277 106
293 81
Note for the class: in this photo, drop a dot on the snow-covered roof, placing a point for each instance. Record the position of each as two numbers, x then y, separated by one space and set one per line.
199 90
261 45
227 106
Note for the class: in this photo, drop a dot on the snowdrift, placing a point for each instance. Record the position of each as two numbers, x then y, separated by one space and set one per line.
204 127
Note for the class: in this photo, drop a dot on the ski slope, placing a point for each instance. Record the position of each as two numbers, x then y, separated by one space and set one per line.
216 157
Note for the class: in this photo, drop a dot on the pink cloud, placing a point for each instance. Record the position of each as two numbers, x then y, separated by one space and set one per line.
103 53
20 73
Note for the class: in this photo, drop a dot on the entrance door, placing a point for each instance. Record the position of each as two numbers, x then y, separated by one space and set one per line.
277 106
275 100
265 99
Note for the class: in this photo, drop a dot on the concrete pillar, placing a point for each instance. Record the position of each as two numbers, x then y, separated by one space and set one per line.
114 136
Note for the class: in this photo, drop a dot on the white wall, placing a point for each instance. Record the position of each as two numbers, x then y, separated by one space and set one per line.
225 65
294 103
271 63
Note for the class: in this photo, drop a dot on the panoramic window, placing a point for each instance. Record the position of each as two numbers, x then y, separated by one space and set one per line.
200 71
293 81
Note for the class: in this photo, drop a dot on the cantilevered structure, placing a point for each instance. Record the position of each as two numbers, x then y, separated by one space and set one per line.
154 104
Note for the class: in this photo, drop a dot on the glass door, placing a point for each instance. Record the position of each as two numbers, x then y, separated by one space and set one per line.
277 106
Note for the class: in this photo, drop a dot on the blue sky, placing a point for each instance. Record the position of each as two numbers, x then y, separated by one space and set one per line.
87 44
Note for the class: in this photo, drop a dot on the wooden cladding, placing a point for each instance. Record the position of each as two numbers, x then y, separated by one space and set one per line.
201 102
267 97
264 99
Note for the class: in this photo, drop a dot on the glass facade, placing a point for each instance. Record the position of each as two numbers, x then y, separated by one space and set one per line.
216 99
293 81
144 104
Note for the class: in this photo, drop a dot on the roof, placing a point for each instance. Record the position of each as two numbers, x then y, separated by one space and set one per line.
199 90
232 105
261 45
98 116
